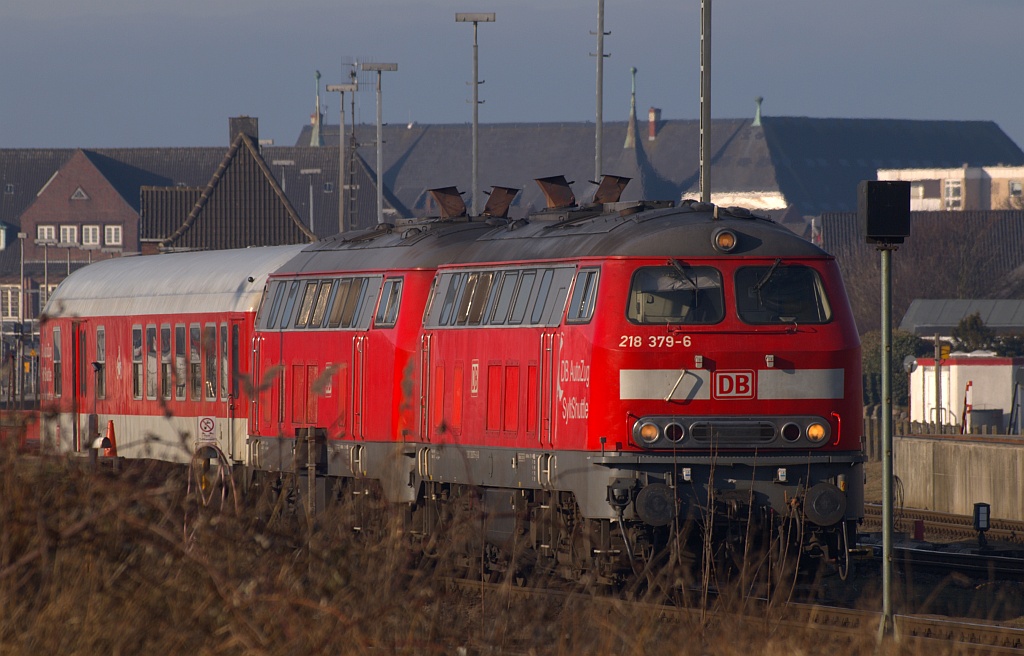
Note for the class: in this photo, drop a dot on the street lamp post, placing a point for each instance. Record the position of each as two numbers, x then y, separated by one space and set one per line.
380 68
475 18
21 325
341 89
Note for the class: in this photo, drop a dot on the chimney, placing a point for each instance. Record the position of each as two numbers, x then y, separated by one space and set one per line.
757 112
653 118
247 125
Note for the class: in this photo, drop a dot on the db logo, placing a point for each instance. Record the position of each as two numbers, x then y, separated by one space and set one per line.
734 384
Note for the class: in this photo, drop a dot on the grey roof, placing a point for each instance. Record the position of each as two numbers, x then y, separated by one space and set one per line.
816 163
940 316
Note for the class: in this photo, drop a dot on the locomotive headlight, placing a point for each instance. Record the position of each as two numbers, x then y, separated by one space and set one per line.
816 432
724 240
649 432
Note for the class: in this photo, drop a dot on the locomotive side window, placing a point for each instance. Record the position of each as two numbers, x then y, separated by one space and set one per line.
781 294
522 297
390 298
165 361
676 294
474 298
338 308
151 362
137 362
179 362
454 285
101 362
506 288
275 292
584 293
57 388
306 306
289 304
195 367
549 307
323 295
367 302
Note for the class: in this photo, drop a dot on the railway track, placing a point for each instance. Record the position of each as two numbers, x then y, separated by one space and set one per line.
853 625
945 525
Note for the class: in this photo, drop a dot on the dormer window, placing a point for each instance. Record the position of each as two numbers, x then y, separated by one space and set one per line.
8 188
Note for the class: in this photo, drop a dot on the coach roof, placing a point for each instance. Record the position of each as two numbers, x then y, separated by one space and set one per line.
199 281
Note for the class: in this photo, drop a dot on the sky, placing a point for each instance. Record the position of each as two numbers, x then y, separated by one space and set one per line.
166 73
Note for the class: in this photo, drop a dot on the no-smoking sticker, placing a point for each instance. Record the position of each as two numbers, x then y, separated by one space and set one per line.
207 425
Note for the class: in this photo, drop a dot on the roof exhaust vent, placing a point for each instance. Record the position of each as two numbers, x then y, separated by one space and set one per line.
499 199
557 192
449 202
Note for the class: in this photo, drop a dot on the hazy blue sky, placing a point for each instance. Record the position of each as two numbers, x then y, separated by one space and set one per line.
106 73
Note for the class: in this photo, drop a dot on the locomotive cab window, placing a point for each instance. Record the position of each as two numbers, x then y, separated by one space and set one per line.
390 299
584 293
781 294
676 294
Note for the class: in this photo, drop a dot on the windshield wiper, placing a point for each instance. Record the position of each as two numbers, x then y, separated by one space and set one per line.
686 278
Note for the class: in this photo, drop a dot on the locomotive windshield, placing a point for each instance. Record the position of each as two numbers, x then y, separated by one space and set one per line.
780 293
676 294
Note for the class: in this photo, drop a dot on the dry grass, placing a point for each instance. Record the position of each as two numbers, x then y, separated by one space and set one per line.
92 563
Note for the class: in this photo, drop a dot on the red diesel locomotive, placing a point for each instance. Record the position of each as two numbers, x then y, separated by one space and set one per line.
594 377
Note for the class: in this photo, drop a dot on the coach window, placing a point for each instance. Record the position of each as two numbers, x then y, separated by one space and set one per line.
306 307
151 362
83 362
165 362
522 297
137 362
210 360
224 378
57 388
101 362
503 299
235 373
390 299
584 293
676 294
180 349
195 367
781 294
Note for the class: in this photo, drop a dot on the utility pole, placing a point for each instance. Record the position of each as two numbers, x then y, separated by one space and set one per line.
475 19
705 100
341 89
599 115
379 68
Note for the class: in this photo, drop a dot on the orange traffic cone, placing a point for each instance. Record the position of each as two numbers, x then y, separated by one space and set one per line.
110 446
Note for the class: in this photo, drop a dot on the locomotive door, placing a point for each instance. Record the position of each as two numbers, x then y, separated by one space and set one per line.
79 383
358 384
425 390
549 346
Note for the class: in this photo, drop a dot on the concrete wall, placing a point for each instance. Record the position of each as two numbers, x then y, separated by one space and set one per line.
952 474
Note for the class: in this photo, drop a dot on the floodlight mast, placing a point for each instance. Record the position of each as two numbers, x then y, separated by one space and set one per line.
379 68
476 19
